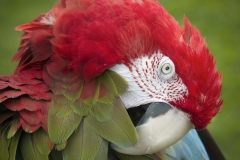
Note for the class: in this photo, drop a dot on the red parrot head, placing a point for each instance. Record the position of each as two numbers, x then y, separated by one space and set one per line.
166 62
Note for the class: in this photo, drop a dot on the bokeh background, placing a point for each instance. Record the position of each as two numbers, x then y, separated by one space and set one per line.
219 23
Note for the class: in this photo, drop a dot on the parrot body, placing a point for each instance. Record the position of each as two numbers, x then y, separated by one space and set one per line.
86 63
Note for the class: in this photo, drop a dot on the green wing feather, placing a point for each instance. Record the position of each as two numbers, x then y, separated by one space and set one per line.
14 144
29 149
4 144
102 111
103 151
79 126
119 129
13 127
93 114
60 146
83 144
60 129
8 146
80 108
60 106
120 83
42 141
74 91
106 82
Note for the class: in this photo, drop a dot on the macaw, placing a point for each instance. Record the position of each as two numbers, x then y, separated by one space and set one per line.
108 79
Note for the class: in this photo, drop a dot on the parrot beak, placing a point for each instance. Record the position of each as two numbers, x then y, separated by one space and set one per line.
161 126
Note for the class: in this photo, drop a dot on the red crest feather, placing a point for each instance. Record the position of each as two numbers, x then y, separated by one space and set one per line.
196 67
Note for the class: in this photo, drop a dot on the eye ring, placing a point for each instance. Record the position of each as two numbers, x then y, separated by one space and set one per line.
166 68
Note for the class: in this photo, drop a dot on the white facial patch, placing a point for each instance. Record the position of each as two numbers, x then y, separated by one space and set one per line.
150 79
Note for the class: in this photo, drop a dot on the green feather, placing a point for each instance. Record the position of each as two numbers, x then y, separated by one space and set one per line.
60 106
119 129
29 149
108 91
103 151
61 146
42 141
14 144
102 111
57 88
120 83
59 129
83 144
104 116
104 90
13 127
71 88
108 83
80 108
74 92
4 144
90 92
70 83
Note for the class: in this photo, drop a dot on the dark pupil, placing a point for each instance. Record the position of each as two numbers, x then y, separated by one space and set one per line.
167 68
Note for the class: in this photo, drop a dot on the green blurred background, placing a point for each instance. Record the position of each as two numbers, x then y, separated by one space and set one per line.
218 21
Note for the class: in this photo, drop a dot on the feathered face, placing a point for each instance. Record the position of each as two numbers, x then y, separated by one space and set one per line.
151 79
140 41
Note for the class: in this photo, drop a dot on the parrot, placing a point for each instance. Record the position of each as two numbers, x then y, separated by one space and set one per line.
108 79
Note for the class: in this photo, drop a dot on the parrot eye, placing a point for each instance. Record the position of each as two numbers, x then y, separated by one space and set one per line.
167 68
